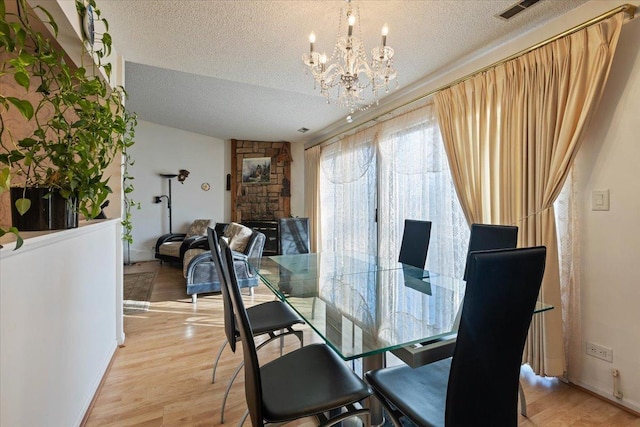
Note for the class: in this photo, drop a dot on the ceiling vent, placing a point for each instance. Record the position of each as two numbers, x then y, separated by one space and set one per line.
516 9
303 130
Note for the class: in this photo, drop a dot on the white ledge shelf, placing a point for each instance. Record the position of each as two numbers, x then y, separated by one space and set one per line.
36 239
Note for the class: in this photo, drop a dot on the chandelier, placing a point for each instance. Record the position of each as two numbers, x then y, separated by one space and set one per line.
343 77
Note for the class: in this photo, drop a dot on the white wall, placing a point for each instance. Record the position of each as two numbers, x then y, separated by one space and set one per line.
160 149
610 240
60 313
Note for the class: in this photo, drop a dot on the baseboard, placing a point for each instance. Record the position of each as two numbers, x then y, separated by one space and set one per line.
99 386
631 407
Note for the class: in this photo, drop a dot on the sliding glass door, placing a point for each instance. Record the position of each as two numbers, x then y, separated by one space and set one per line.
414 182
348 195
393 171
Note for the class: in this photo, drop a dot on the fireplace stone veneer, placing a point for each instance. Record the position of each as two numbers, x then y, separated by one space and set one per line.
261 201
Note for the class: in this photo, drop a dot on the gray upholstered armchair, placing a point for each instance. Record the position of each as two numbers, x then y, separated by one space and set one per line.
201 273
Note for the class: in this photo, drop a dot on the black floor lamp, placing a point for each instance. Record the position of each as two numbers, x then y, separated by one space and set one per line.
158 199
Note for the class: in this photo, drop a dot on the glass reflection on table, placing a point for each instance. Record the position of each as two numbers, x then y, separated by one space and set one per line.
363 305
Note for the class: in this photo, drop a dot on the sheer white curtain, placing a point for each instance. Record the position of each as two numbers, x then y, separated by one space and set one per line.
399 167
415 183
347 194
568 234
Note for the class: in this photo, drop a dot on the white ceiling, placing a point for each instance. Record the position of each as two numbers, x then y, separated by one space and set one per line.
232 69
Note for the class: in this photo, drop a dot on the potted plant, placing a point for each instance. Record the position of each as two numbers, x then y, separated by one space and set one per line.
66 123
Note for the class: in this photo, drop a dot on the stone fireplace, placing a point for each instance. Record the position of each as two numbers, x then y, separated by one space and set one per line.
265 198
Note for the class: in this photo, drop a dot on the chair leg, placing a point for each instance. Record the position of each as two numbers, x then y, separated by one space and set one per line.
244 417
226 393
300 336
393 415
523 400
194 298
215 365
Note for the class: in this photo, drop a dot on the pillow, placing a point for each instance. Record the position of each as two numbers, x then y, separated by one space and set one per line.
199 227
238 235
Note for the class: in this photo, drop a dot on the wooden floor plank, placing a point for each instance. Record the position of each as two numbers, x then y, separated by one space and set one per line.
162 375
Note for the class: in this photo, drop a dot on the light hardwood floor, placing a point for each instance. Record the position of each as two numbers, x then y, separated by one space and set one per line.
162 375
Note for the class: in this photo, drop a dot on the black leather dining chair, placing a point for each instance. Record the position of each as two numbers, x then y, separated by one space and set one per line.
310 381
482 237
486 237
479 384
274 319
293 236
415 242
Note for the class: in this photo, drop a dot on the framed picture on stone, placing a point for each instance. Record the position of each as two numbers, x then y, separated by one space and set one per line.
256 170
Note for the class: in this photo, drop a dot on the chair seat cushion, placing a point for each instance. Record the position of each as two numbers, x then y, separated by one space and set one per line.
170 249
270 316
188 256
418 393
308 381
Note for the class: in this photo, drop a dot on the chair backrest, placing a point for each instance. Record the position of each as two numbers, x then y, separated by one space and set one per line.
499 300
415 242
252 381
229 320
220 228
486 237
199 227
293 236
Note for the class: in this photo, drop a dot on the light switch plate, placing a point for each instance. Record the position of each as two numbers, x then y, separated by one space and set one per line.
600 200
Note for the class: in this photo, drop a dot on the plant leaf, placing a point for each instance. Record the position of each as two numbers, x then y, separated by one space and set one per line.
27 142
23 205
51 22
19 240
22 79
24 106
5 179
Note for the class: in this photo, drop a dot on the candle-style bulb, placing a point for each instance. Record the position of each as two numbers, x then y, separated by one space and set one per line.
312 40
351 20
385 31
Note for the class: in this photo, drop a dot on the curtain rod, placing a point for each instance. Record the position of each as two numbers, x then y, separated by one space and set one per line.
628 8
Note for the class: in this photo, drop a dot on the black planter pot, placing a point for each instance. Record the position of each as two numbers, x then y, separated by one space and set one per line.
48 211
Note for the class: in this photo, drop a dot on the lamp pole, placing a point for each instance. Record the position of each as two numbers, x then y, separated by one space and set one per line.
169 176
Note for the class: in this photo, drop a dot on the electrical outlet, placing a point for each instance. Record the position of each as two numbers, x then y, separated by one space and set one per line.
599 351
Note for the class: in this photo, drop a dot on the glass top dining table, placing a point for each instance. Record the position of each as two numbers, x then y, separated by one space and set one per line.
363 305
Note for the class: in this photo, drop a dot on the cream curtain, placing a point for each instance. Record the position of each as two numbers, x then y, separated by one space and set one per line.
511 134
312 195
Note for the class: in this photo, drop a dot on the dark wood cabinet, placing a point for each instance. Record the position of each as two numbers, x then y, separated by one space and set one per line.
270 230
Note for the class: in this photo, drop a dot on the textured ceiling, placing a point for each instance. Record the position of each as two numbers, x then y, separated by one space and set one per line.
232 68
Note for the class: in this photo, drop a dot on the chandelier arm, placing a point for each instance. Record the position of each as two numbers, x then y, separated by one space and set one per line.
344 76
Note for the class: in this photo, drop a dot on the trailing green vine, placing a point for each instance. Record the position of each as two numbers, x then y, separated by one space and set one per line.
80 124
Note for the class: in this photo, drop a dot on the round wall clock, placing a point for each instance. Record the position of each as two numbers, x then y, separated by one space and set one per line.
205 186
87 25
